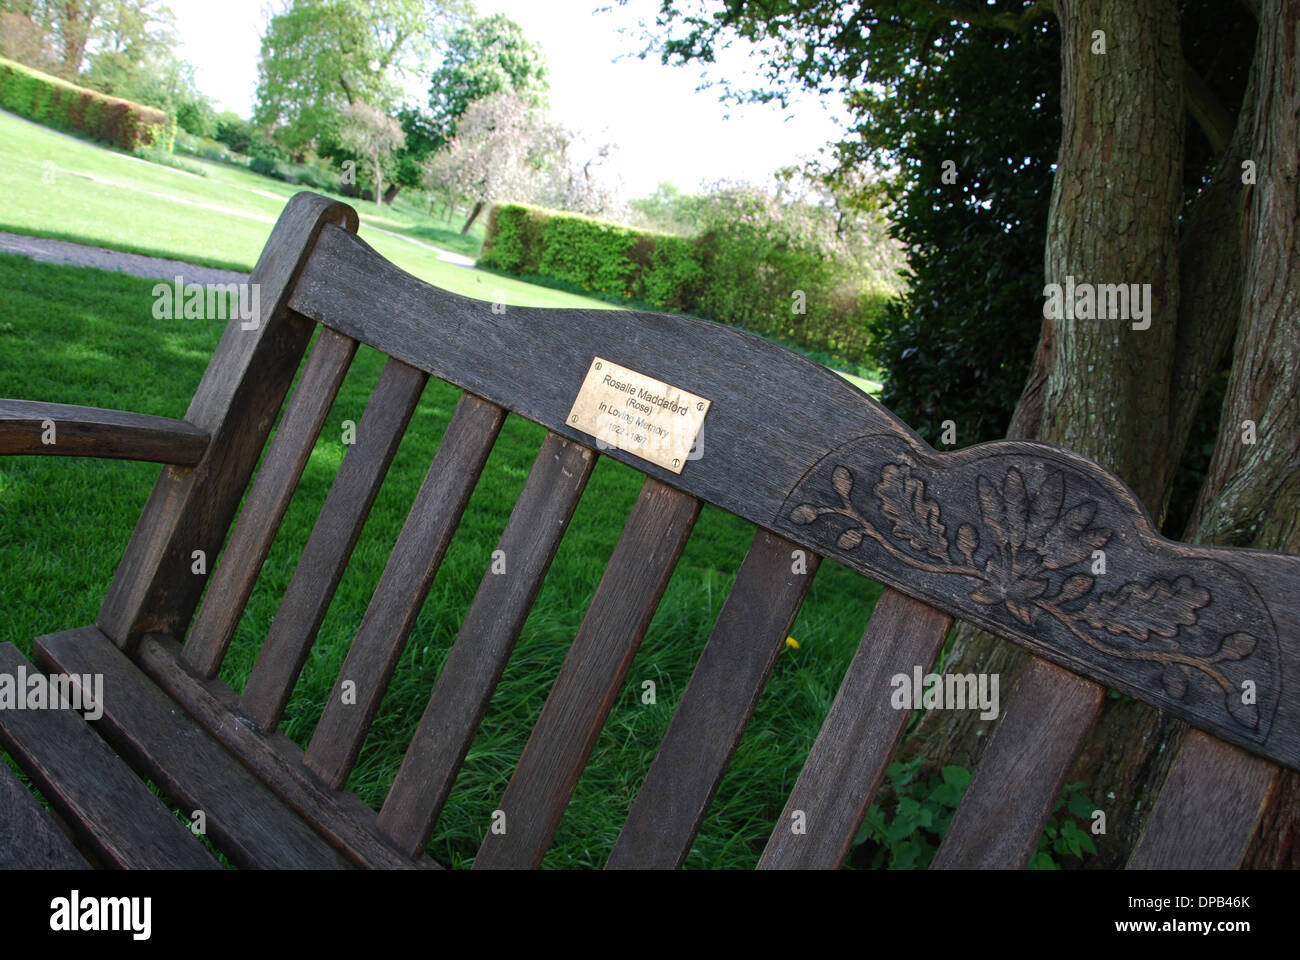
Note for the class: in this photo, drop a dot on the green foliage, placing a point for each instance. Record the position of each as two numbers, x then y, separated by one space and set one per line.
204 147
910 838
320 55
234 131
743 270
1067 833
65 106
483 57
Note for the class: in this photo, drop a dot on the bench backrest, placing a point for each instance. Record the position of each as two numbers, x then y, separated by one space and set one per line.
1005 535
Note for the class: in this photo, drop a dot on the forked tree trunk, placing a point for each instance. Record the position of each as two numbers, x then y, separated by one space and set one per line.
1099 386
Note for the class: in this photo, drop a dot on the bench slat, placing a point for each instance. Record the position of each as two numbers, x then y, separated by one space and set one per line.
488 634
719 700
154 590
402 589
1207 810
858 738
232 582
1019 778
342 817
244 819
96 793
590 678
330 545
29 837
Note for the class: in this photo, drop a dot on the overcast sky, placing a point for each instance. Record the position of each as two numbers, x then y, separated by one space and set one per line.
664 129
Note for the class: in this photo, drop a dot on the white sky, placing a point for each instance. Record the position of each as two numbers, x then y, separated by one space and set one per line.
664 129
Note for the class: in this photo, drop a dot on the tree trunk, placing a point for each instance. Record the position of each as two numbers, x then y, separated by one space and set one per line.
1251 495
391 193
473 215
1099 386
379 181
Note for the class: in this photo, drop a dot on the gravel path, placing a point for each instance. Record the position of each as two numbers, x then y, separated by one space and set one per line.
84 255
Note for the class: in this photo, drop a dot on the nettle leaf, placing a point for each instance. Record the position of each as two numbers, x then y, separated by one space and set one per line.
914 518
1138 611
1066 542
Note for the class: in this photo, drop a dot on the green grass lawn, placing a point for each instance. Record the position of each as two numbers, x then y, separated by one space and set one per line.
114 200
82 336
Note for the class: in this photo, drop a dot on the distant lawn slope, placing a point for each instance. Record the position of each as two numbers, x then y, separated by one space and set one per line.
114 200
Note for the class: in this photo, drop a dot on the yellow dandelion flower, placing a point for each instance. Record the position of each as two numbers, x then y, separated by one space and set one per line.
792 642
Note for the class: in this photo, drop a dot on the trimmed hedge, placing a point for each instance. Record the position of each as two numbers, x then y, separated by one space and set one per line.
66 106
740 274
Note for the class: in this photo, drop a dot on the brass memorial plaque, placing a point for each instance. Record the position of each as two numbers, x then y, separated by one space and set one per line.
644 416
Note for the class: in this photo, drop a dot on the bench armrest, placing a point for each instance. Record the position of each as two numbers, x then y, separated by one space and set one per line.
91 432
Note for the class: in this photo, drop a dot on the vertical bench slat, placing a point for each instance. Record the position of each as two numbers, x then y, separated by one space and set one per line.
719 700
330 545
858 738
487 635
232 582
1019 778
1208 808
402 589
594 670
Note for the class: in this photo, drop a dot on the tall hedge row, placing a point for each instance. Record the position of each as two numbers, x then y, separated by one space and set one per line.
66 106
731 273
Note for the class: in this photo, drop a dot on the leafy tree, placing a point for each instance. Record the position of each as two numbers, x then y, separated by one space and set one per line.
318 56
502 148
374 135
480 57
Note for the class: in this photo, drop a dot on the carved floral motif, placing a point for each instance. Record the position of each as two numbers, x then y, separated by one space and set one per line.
1023 537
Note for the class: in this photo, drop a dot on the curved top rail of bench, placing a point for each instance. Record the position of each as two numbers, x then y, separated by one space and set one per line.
1027 540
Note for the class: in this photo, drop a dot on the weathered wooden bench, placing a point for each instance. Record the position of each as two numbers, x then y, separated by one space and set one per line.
1003 535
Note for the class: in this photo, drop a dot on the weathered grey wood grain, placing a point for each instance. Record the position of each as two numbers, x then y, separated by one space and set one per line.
830 469
245 820
329 547
719 700
483 645
290 448
1207 809
858 738
591 676
339 816
97 794
91 432
29 838
373 656
1020 776
154 590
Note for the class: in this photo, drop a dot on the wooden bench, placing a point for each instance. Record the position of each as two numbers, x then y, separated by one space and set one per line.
1003 535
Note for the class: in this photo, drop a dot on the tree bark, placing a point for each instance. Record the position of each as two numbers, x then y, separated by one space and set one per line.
1251 495
473 215
1101 387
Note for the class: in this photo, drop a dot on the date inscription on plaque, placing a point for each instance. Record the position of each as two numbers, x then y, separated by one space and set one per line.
644 416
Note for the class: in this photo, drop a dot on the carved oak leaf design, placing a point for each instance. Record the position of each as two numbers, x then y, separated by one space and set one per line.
914 518
1138 611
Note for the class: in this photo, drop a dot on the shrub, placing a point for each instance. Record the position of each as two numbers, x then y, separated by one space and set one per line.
66 106
742 271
